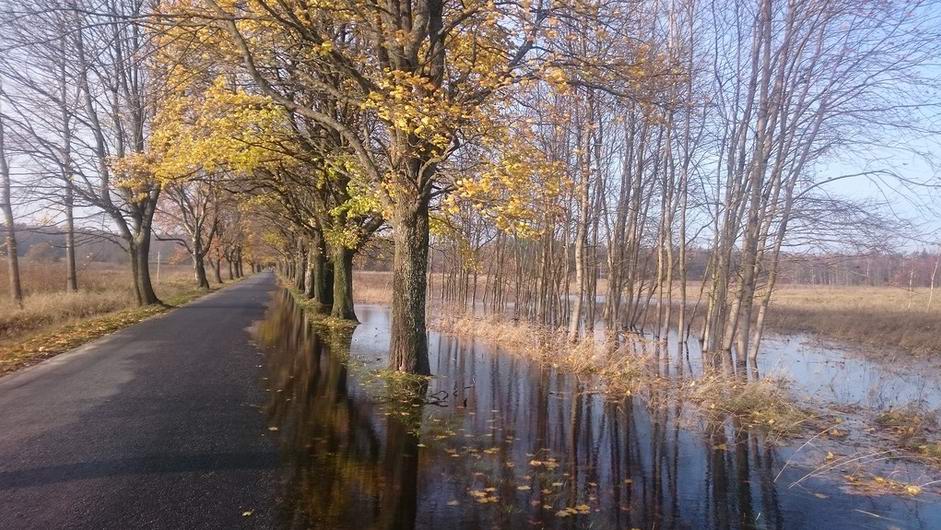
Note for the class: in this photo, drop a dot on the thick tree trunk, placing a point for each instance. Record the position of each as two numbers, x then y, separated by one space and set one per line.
140 269
199 267
408 342
217 269
343 284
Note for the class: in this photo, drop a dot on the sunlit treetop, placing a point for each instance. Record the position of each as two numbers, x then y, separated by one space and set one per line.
426 84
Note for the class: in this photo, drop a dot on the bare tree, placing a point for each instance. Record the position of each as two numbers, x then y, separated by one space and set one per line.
6 207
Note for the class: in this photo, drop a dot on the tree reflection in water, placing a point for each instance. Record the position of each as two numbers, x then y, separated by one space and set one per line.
493 441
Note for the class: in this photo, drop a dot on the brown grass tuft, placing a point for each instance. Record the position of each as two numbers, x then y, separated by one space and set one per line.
764 403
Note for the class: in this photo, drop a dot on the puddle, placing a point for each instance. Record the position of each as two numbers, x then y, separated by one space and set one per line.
499 442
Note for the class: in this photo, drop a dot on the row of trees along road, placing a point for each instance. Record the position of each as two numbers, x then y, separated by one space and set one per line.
84 87
567 150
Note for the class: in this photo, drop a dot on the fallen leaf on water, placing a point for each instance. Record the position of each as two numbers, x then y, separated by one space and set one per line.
248 513
272 428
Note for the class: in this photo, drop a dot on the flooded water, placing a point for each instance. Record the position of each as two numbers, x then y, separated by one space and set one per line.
835 375
496 441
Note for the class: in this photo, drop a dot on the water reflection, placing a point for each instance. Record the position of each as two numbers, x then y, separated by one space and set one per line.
493 441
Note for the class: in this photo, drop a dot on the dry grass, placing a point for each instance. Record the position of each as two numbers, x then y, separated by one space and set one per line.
619 368
908 423
915 429
372 287
52 321
49 277
764 403
877 318
45 309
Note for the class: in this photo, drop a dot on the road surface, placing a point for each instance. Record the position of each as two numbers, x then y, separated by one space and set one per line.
155 426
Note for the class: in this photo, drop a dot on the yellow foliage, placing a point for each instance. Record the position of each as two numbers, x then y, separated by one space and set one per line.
219 129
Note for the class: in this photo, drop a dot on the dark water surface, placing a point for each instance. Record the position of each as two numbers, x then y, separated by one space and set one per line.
497 441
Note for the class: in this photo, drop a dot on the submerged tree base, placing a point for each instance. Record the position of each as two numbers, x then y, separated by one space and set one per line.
319 313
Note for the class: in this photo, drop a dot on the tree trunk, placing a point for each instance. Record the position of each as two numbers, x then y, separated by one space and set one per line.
581 233
217 269
301 269
199 266
140 268
343 284
310 287
408 342
71 283
16 288
320 286
934 274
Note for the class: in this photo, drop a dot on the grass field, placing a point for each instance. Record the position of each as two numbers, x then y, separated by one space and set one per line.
886 319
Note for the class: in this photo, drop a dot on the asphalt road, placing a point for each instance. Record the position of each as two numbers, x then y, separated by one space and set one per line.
155 426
